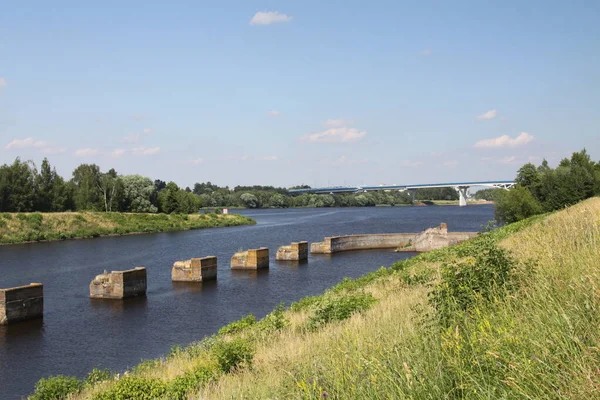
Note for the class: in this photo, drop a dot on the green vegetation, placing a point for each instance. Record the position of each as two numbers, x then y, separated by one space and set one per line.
512 313
32 227
543 189
25 189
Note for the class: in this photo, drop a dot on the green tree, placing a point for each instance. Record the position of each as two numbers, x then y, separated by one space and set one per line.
86 179
17 186
168 198
516 204
249 200
137 194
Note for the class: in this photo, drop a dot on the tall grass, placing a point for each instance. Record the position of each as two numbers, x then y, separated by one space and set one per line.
33 227
512 314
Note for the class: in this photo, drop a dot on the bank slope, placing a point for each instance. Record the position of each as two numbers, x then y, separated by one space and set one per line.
510 314
33 227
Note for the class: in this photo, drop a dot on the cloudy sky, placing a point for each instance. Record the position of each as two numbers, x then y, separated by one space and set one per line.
315 92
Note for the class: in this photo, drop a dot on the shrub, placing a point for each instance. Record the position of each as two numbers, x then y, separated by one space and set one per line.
238 326
516 204
273 321
338 308
55 387
483 275
191 380
230 354
134 388
98 375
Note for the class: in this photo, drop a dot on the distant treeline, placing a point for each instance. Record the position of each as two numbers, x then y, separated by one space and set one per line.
542 189
24 188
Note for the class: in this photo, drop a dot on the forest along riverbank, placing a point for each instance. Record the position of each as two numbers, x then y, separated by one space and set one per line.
479 318
36 227
78 334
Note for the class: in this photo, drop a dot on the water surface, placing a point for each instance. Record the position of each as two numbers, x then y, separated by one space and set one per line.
78 333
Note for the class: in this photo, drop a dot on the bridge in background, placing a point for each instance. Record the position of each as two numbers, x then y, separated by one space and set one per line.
461 187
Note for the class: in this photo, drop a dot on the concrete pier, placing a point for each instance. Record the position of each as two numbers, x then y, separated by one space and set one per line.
21 303
119 284
430 239
251 259
296 251
195 270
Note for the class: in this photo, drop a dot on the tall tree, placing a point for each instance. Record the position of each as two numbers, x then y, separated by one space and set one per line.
86 179
137 194
17 186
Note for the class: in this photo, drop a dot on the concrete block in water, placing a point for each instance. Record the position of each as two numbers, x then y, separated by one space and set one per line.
119 284
195 270
21 303
251 259
296 251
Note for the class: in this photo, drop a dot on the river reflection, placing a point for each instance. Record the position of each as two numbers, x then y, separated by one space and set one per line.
78 334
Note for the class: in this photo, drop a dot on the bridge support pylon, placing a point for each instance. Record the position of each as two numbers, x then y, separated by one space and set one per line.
462 195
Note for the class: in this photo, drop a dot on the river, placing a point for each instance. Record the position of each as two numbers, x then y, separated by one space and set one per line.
78 333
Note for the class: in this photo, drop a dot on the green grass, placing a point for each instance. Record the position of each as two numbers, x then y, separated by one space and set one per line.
511 314
34 227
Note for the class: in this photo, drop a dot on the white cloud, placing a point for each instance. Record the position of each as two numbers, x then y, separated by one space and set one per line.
491 114
450 164
145 151
2 83
24 143
411 164
335 123
54 150
502 160
117 153
274 113
87 152
136 137
269 17
269 158
504 141
425 52
132 138
336 135
138 117
343 160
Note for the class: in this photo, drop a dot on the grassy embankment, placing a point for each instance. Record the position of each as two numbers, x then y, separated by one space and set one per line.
514 313
32 227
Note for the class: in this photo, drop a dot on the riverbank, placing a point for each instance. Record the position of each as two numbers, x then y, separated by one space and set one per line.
511 313
37 227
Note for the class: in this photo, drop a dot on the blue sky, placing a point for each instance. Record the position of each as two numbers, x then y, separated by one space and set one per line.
289 92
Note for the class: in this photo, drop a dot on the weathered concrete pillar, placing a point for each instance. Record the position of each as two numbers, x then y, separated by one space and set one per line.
296 251
251 259
119 284
195 270
21 303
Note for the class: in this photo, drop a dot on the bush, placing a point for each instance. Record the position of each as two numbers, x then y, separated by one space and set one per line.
482 276
274 321
98 375
134 388
516 204
238 326
191 380
55 387
231 354
339 308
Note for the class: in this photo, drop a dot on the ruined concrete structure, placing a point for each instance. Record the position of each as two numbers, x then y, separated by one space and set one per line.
21 303
437 238
119 284
195 270
296 251
251 259
430 239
